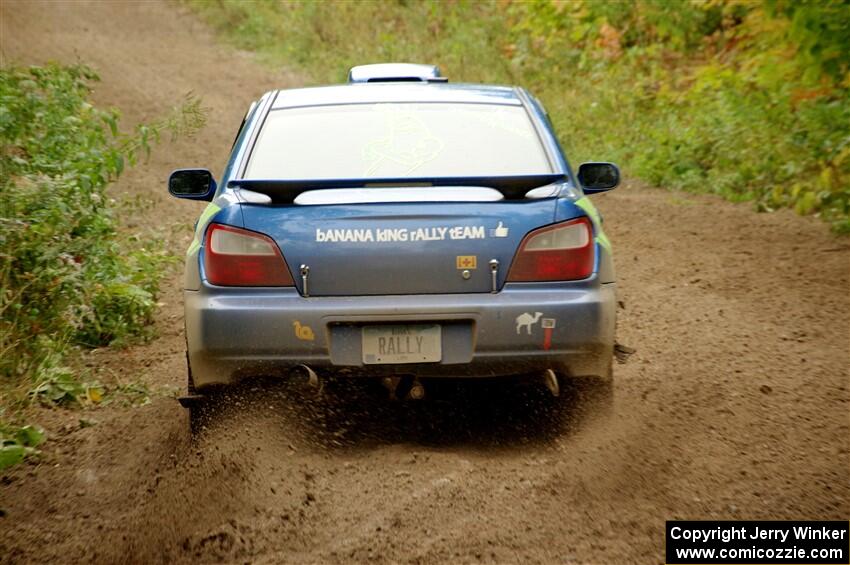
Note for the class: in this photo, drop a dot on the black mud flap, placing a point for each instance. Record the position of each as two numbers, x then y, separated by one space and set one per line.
190 400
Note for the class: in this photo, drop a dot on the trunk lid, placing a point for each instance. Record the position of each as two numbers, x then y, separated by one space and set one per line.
399 247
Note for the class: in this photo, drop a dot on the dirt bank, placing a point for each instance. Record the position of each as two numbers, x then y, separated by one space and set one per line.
735 406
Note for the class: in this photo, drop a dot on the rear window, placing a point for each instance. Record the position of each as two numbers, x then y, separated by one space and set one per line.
405 140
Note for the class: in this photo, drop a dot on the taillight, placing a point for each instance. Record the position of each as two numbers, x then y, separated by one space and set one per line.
237 257
562 252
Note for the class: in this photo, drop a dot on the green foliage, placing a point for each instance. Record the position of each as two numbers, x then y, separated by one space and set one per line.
130 394
16 443
60 386
326 38
66 276
746 99
820 30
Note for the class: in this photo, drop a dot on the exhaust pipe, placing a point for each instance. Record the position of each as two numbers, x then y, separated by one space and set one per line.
313 380
550 379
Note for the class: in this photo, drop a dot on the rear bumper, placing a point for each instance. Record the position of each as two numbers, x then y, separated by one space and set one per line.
234 333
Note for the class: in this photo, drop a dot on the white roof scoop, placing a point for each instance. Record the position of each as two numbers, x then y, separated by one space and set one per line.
395 72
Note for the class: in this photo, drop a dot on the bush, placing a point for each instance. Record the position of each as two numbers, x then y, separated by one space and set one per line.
750 100
747 100
17 442
66 276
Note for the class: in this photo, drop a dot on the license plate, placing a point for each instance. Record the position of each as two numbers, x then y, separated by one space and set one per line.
408 343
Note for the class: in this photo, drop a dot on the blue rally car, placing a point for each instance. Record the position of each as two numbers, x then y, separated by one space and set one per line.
398 225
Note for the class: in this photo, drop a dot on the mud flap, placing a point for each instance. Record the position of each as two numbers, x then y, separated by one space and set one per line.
190 400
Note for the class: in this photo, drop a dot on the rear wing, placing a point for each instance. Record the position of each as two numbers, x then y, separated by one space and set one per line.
286 191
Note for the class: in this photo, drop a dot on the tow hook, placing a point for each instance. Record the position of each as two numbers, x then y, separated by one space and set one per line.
406 387
391 384
417 391
551 382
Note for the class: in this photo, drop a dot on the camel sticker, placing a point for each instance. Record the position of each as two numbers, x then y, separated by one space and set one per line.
526 320
302 332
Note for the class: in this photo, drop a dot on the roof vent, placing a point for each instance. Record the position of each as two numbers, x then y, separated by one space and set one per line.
395 72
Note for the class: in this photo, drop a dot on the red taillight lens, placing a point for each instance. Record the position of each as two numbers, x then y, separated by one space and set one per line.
563 252
237 257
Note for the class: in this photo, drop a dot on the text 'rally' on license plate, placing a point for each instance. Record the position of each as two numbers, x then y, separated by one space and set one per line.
408 343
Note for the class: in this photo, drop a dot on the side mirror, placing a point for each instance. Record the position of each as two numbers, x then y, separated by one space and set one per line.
598 177
192 184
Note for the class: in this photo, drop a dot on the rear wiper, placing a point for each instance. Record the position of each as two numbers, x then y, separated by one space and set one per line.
286 191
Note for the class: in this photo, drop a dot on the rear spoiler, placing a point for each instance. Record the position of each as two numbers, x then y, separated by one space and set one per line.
286 191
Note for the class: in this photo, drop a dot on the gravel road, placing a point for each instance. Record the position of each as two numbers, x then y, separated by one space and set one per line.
735 406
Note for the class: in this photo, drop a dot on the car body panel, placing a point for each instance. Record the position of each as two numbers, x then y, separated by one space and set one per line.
238 332
605 261
234 333
400 248
372 93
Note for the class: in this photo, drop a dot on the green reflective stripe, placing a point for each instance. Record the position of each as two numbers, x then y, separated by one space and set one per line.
193 247
210 211
585 204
